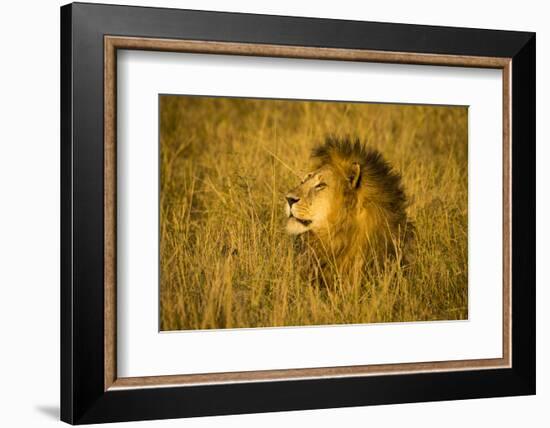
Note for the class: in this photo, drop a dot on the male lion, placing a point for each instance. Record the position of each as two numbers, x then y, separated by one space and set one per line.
350 210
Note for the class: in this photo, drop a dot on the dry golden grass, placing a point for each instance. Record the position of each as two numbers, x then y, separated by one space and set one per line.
226 261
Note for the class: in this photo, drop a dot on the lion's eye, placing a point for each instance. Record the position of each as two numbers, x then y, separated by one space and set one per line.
320 186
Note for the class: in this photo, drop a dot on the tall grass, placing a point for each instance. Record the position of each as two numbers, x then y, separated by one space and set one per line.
226 261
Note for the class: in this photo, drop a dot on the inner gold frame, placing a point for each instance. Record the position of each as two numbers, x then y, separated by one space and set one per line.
113 43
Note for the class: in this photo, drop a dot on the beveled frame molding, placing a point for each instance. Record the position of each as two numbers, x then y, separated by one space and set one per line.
113 43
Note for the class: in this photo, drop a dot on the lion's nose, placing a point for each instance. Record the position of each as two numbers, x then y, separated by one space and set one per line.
291 199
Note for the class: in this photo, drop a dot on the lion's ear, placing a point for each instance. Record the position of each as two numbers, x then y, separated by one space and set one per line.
355 175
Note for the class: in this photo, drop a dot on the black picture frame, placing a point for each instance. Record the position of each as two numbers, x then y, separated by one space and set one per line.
83 398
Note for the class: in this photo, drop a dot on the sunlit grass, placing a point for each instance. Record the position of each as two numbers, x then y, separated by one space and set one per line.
226 261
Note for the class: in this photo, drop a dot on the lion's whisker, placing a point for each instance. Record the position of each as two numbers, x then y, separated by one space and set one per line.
282 162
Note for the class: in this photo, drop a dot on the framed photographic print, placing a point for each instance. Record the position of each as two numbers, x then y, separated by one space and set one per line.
265 213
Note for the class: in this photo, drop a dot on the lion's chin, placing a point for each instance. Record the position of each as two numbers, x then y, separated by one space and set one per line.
297 227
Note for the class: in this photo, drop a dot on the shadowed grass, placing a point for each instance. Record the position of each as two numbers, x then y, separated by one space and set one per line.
226 261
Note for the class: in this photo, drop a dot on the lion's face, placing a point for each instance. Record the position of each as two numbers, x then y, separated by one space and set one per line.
351 207
311 205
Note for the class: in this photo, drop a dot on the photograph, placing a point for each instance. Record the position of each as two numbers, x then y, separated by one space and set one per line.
273 211
289 212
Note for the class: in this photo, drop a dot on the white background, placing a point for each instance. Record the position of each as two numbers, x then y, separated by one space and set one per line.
29 214
142 351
